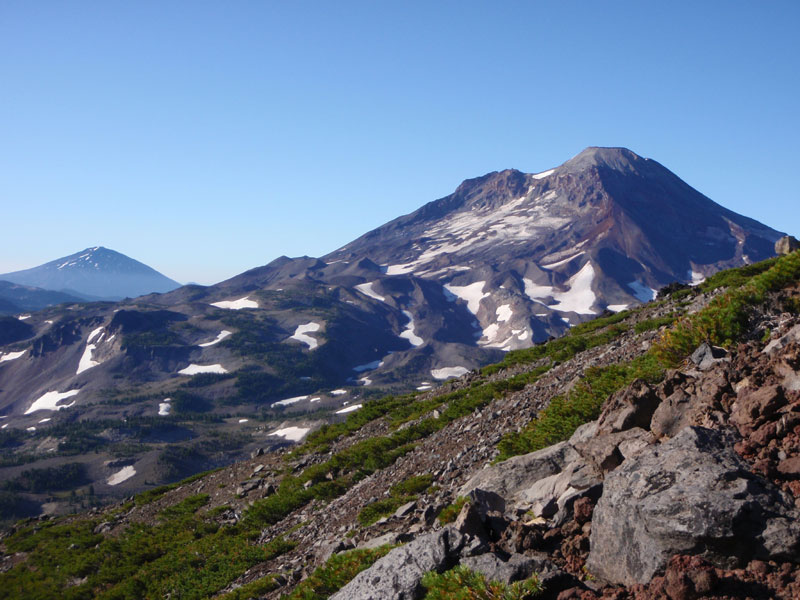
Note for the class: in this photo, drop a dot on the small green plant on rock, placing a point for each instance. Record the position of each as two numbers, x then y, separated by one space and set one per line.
460 583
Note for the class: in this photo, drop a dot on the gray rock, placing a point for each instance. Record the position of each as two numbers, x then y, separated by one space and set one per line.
793 335
584 433
327 549
603 451
519 472
391 538
706 356
494 568
398 575
405 509
630 407
693 495
786 245
486 502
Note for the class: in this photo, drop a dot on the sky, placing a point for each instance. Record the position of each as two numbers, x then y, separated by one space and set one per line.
207 138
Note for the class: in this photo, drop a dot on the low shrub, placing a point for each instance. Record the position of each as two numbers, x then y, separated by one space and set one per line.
336 573
460 583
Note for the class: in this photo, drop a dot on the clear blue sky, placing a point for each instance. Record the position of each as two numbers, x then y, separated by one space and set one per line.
206 138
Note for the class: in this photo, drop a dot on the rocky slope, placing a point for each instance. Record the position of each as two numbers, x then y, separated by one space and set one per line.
621 478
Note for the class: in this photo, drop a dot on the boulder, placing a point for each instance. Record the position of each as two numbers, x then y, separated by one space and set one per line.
689 495
786 245
398 575
675 413
706 356
604 451
516 568
486 502
519 472
391 538
756 406
793 335
630 407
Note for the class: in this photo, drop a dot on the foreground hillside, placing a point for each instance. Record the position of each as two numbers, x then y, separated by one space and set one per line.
648 454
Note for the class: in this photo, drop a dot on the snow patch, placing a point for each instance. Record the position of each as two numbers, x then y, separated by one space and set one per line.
535 291
641 291
194 369
579 296
561 262
94 334
45 420
221 336
409 334
617 307
472 294
365 381
504 313
50 400
300 334
86 361
11 355
368 366
293 434
164 407
23 317
543 174
236 304
122 475
243 420
366 289
400 269
424 388
290 401
447 372
338 392
348 409
697 278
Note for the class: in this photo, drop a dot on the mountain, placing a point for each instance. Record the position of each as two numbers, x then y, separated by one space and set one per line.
632 458
605 230
196 377
15 298
94 274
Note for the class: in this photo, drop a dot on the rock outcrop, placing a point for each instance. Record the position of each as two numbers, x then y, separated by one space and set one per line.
397 575
690 495
786 244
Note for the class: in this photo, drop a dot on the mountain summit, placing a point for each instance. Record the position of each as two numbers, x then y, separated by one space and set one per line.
605 230
96 273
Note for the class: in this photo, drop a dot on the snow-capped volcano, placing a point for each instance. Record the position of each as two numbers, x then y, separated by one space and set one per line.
96 272
604 230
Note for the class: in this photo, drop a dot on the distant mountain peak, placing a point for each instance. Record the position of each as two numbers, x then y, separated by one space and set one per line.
95 272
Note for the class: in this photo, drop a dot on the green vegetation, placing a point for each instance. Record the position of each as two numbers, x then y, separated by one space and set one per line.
183 556
252 590
581 337
651 324
722 322
336 573
450 512
62 477
580 405
727 316
460 583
